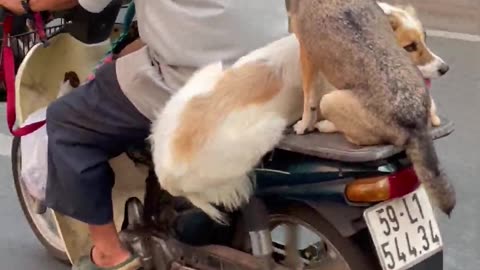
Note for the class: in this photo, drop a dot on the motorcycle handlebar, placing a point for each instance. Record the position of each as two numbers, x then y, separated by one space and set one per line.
3 12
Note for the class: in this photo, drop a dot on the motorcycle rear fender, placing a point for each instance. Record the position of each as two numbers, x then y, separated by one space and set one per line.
322 191
346 219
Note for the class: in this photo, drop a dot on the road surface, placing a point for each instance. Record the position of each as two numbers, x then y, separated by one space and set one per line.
449 15
457 95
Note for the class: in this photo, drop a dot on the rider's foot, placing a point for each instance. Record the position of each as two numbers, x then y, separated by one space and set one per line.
108 251
87 263
114 257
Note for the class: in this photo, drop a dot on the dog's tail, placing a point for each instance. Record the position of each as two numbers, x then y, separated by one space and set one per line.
230 194
170 184
421 152
198 201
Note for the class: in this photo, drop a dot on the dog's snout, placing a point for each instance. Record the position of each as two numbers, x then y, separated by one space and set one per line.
443 69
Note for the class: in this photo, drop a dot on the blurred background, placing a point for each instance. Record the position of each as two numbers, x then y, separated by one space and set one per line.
450 15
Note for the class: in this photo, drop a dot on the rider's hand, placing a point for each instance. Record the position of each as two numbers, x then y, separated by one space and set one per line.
14 6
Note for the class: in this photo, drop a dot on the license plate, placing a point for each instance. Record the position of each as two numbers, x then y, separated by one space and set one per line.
404 230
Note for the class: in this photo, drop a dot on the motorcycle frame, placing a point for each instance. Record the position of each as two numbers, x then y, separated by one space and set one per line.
324 180
314 182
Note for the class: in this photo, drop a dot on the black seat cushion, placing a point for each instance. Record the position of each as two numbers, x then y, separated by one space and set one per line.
336 147
322 145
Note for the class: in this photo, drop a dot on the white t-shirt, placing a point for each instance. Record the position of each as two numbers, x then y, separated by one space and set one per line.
183 35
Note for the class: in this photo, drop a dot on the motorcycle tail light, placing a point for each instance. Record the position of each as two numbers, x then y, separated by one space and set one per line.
382 188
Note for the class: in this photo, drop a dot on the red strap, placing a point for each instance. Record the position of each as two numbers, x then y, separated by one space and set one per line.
8 64
39 27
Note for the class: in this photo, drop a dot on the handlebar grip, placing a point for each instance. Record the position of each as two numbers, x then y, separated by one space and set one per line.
2 13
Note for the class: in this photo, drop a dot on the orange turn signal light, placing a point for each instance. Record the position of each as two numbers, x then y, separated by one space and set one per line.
368 190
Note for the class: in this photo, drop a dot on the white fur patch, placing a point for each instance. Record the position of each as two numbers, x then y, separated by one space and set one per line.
387 8
431 70
217 174
407 19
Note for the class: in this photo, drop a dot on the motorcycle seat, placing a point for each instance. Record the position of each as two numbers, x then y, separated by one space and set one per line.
322 145
336 147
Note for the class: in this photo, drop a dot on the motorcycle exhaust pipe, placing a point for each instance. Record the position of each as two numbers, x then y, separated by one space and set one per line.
255 216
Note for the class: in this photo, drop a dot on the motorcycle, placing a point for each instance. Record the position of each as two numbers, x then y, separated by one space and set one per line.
320 202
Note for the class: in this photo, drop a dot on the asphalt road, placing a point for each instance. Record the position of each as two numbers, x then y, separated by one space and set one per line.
457 96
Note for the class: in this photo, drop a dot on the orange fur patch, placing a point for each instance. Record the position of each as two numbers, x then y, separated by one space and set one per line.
406 35
250 84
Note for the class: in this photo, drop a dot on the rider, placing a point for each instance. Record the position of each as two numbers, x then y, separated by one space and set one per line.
97 121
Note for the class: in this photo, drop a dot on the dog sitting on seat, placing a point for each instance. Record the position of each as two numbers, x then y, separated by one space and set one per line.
217 127
383 98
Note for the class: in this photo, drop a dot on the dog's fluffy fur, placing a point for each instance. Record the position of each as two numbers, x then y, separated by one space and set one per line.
220 124
217 127
383 98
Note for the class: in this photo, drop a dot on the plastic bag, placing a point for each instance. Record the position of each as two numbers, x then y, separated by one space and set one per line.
34 150
34 146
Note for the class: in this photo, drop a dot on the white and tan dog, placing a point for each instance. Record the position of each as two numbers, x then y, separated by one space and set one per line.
221 123
217 127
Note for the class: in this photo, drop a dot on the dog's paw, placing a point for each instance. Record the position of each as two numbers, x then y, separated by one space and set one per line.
436 120
300 127
326 126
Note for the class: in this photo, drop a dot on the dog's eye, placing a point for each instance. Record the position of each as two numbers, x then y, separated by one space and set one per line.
411 47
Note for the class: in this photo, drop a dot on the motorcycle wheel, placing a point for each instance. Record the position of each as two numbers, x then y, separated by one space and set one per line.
42 225
331 251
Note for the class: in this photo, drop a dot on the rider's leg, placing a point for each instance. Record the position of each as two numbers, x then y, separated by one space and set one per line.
87 128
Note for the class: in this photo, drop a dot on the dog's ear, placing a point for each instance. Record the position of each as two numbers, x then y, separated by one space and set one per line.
410 10
394 20
292 6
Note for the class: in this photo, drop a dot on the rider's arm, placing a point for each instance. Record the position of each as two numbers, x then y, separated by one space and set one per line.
53 5
38 5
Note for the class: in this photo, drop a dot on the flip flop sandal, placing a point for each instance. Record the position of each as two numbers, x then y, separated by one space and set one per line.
86 263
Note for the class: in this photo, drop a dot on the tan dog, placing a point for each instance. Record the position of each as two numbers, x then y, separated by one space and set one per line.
383 98
411 36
